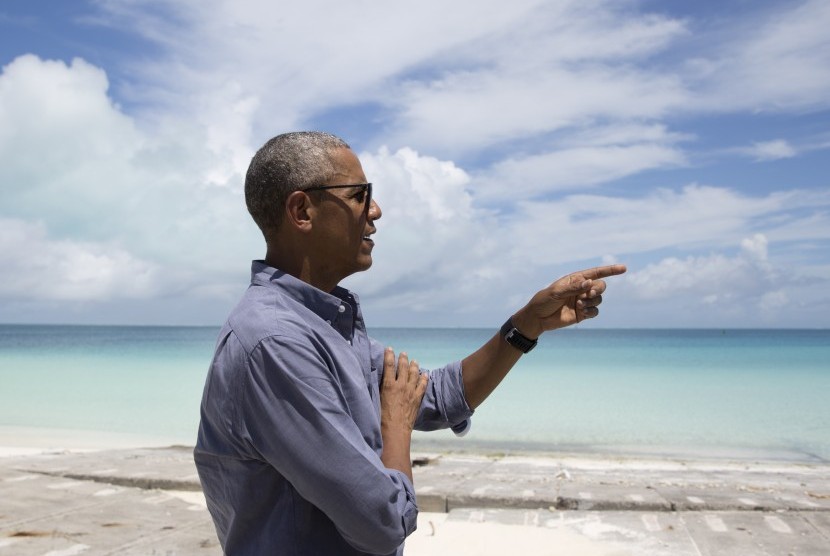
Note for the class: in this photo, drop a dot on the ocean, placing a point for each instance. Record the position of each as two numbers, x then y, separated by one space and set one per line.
752 394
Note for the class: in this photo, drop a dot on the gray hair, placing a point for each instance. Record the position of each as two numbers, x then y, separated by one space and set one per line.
287 163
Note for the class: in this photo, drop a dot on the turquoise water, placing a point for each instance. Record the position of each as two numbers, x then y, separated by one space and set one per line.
141 380
740 393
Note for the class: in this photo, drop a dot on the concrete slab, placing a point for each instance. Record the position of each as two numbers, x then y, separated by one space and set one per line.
148 502
611 497
726 499
50 515
618 533
754 534
821 522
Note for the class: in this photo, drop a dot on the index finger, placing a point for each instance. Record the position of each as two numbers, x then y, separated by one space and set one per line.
602 271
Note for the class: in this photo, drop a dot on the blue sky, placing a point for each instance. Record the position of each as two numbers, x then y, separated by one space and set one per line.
509 144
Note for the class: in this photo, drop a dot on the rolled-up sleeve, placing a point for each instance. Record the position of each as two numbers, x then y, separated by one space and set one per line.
297 419
444 404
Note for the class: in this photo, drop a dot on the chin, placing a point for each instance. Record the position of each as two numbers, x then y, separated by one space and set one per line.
364 264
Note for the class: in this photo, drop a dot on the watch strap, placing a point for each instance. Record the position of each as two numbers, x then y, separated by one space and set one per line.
515 338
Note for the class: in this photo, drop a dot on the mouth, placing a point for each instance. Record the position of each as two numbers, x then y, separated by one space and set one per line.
368 239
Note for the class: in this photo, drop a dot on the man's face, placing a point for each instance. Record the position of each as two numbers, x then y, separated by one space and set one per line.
344 225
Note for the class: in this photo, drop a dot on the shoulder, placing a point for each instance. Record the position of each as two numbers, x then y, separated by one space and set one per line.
272 331
266 315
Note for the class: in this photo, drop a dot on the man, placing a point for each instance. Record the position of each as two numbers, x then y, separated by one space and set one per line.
303 444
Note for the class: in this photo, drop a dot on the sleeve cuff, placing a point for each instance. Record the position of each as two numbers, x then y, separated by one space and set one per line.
409 512
461 429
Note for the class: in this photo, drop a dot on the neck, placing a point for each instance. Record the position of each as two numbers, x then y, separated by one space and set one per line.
299 266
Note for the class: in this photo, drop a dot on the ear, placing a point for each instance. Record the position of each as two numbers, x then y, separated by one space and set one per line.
299 211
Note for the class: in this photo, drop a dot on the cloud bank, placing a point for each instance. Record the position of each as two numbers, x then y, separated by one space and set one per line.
507 144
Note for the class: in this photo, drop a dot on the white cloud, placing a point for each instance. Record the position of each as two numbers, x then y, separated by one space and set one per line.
756 247
776 61
561 73
626 133
430 240
715 277
558 67
586 158
419 189
572 168
35 266
291 67
700 275
472 110
445 267
535 97
787 63
58 127
105 199
481 73
479 76
773 301
744 289
770 150
579 227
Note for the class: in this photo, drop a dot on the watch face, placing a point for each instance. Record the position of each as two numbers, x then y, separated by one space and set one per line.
515 339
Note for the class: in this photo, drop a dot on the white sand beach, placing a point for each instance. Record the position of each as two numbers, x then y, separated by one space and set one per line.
18 440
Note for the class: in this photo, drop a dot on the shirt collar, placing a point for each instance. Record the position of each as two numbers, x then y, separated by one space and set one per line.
325 305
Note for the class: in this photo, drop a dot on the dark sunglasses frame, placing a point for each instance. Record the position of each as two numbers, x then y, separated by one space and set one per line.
367 186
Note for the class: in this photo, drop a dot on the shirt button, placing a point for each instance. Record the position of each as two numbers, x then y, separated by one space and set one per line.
341 309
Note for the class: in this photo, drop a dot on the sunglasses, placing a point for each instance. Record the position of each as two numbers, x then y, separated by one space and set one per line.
367 191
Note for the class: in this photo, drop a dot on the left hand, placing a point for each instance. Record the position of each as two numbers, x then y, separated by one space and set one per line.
567 301
401 393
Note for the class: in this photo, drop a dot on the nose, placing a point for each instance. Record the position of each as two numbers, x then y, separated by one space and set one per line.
374 211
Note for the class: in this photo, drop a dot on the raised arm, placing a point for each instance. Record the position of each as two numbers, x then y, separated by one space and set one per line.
567 301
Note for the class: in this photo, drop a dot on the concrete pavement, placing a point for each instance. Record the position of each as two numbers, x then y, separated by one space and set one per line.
148 501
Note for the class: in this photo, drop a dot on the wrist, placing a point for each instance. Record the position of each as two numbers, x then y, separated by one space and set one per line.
395 454
526 325
395 430
513 336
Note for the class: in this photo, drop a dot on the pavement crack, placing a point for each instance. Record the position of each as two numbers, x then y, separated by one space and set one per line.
135 482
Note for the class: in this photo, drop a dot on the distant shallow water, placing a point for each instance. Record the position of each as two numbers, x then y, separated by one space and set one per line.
730 393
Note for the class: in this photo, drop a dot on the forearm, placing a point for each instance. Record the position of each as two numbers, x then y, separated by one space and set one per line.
567 301
396 451
483 370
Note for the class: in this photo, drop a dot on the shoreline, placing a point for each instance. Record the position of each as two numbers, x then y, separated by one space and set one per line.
27 440
662 453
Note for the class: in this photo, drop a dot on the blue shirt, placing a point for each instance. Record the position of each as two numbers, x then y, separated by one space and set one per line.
289 443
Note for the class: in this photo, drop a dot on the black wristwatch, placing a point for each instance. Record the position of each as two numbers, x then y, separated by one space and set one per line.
515 338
